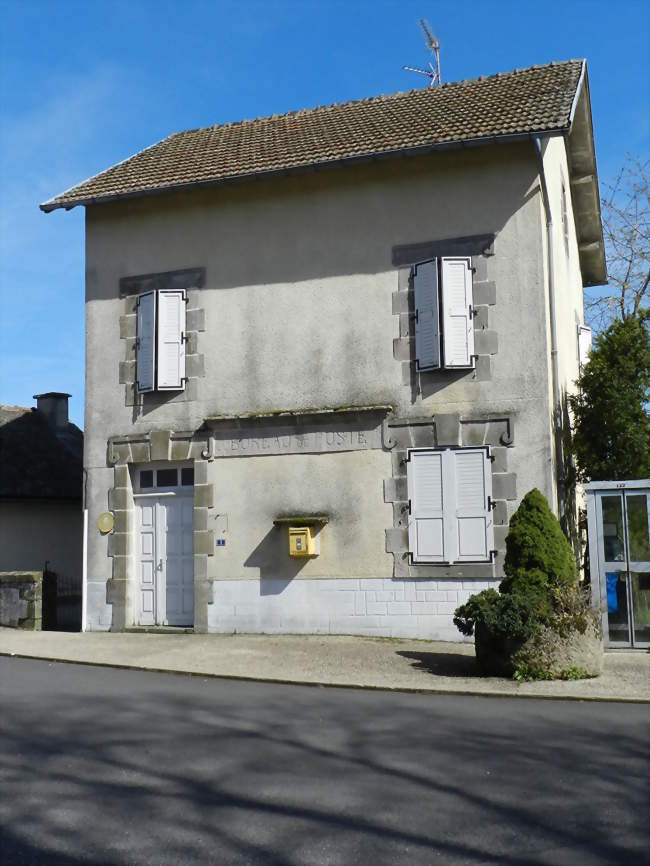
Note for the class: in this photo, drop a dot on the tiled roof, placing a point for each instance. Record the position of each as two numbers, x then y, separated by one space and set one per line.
519 103
37 461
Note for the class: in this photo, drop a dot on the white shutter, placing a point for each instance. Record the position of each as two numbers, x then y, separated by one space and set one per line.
427 337
473 524
171 340
450 493
584 345
457 326
425 492
145 341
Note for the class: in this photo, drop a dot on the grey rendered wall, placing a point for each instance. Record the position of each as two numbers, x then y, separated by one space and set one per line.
298 307
35 532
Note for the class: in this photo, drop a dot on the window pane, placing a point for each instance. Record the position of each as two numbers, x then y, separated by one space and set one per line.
617 606
614 546
641 606
187 476
146 479
167 478
637 524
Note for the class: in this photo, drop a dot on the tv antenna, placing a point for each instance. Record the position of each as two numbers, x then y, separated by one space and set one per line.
433 72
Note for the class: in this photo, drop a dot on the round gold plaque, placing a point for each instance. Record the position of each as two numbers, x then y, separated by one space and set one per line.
105 522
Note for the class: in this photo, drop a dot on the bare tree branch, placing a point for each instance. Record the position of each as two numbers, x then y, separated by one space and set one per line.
626 230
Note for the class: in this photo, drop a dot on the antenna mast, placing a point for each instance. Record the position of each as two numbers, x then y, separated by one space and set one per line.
433 72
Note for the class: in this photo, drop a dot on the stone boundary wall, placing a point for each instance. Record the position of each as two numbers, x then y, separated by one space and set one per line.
21 599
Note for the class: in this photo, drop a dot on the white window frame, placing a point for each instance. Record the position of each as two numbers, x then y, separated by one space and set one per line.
444 313
157 340
449 512
583 332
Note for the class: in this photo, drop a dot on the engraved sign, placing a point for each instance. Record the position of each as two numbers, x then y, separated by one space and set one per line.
254 439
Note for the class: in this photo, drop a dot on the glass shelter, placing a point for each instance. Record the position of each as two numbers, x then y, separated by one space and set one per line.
618 517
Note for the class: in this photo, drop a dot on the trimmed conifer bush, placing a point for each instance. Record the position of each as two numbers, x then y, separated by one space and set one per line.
540 575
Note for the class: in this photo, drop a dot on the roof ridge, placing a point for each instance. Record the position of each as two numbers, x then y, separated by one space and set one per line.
5 407
366 100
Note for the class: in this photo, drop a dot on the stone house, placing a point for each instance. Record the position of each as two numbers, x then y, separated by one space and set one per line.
328 352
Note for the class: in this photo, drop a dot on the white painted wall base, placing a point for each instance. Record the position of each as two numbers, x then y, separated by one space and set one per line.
382 607
99 615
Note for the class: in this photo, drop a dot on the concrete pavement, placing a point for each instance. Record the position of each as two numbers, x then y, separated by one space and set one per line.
404 665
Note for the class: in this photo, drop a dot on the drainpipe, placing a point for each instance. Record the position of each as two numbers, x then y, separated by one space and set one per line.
84 571
557 401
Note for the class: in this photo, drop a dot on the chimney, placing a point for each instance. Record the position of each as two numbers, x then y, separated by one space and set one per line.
54 406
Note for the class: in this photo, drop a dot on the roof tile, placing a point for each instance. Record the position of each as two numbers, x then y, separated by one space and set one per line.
526 101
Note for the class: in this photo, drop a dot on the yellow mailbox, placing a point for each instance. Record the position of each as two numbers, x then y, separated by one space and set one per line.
302 541
304 532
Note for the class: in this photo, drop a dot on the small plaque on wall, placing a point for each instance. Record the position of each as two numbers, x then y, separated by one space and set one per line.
105 522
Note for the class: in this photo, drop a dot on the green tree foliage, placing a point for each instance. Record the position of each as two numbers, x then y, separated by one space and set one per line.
537 551
538 562
611 438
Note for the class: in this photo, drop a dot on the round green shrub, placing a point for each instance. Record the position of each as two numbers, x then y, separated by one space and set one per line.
539 570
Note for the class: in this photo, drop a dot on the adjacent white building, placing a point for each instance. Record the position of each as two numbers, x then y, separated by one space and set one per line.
328 352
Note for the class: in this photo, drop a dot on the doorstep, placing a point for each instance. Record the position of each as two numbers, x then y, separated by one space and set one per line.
158 629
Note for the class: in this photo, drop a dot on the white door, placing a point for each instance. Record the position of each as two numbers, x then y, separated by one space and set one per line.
147 594
179 560
165 592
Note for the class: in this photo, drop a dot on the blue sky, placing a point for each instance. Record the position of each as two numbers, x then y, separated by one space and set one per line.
85 84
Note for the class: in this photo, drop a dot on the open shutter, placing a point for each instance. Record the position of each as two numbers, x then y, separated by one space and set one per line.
472 495
426 502
427 337
458 329
171 340
584 345
145 341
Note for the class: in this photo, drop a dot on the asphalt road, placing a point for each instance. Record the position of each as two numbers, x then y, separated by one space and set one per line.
107 766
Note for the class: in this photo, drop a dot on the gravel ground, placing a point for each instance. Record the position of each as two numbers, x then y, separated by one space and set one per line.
406 665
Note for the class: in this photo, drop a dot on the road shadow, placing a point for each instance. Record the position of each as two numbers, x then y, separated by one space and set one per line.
113 767
443 664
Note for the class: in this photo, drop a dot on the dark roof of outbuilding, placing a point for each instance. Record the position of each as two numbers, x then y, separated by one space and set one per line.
38 461
525 102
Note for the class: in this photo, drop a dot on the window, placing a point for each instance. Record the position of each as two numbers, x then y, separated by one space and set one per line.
584 345
565 220
450 505
166 478
160 341
444 331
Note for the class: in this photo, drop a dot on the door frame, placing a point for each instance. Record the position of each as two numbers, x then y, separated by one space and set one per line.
598 566
157 495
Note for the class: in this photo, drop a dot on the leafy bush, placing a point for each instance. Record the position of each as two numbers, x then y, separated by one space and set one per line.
539 591
504 617
573 611
539 560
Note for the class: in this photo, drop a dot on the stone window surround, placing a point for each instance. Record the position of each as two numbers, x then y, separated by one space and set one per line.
480 248
190 280
438 432
143 448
